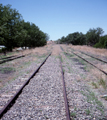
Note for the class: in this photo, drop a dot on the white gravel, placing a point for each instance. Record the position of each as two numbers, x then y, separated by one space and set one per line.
42 98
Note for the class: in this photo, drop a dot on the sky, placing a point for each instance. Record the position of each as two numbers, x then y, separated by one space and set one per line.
59 18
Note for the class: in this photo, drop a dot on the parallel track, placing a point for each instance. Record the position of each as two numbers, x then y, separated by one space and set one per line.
12 100
65 94
7 59
87 60
89 63
10 59
93 57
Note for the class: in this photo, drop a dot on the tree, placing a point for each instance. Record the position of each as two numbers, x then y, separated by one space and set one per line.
93 36
15 32
105 44
10 18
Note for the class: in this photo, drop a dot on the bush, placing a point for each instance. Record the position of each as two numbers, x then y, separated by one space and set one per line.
105 44
98 45
0 50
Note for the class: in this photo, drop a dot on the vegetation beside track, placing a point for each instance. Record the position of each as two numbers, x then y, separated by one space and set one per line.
15 32
93 37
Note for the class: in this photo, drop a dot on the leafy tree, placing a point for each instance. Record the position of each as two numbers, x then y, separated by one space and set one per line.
101 43
15 32
75 38
105 44
93 35
10 18
47 37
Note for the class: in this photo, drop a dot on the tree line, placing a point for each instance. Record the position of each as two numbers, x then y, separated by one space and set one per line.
93 37
15 32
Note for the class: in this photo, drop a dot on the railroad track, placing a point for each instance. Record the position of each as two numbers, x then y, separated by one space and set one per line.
81 66
13 99
65 94
91 56
91 63
10 59
7 59
10 99
39 100
88 60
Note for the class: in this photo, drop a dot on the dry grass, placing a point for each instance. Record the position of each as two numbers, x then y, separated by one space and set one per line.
96 51
38 50
102 66
22 63
56 50
101 78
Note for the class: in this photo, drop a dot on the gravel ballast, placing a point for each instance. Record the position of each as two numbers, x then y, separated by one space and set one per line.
83 103
42 98
14 85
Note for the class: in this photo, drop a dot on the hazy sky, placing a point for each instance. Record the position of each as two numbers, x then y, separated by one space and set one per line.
60 17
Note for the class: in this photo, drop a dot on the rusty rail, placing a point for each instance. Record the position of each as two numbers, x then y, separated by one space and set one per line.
93 57
89 63
12 100
7 57
10 59
64 93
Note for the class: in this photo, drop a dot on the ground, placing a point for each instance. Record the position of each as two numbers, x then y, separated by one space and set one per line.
85 85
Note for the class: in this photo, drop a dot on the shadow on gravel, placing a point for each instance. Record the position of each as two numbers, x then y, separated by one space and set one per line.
77 62
6 70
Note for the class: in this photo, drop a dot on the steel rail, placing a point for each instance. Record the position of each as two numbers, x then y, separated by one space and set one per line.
89 63
12 58
64 93
61 48
1 62
91 56
94 57
12 100
7 57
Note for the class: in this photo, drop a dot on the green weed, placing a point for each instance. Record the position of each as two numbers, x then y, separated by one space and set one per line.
7 70
61 59
63 70
103 83
95 85
87 111
91 98
73 114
